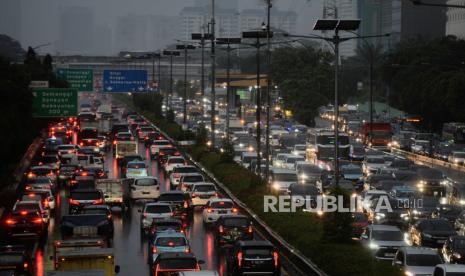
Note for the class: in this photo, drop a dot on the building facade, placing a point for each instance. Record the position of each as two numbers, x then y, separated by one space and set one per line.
456 19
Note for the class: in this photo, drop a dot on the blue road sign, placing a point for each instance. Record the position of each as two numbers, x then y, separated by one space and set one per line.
118 81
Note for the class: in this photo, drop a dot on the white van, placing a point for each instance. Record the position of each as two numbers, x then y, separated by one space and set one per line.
145 188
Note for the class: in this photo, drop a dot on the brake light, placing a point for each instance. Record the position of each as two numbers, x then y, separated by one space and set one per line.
176 175
186 205
239 258
81 144
46 203
30 175
10 221
194 195
154 249
109 216
73 202
187 250
114 142
38 220
144 215
234 210
209 210
276 258
221 229
250 229
25 265
23 213
98 201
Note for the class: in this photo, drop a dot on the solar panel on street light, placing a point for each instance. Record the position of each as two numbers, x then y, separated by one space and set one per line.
325 24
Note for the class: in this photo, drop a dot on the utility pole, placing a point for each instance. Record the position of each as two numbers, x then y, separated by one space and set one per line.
228 41
213 96
171 54
268 92
202 37
185 47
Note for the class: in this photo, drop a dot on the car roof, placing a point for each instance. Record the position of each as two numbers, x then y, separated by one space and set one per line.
419 250
175 255
220 200
157 204
245 243
381 227
170 234
279 170
233 217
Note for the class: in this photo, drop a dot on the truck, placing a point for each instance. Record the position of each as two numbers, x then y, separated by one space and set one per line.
377 135
124 148
82 259
87 226
115 191
104 125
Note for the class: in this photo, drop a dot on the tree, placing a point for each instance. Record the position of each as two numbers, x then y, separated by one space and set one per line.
47 63
10 49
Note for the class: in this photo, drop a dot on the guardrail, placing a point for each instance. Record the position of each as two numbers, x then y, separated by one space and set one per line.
295 262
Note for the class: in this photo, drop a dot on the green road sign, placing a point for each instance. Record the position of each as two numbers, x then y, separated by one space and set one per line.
55 102
81 79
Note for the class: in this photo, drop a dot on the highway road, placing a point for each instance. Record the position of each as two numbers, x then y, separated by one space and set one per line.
129 247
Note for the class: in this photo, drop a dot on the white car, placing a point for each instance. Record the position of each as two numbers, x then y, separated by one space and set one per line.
218 207
154 210
281 179
449 269
290 161
188 180
372 164
145 188
300 149
179 171
51 198
173 162
136 169
156 145
279 160
415 261
384 240
201 193
67 149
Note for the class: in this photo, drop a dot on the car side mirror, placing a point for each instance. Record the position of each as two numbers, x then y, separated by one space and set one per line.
117 269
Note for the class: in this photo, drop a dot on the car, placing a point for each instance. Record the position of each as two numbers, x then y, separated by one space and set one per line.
431 232
427 207
168 263
50 160
254 257
453 250
353 173
281 179
396 215
97 209
66 172
457 157
145 188
82 180
143 131
199 273
370 195
67 149
179 171
136 169
290 160
359 224
217 207
165 152
188 180
172 162
151 138
201 193
181 204
154 210
300 149
384 240
416 260
163 225
306 192
37 171
16 260
308 173
40 183
372 164
43 195
82 197
32 206
84 226
449 269
448 212
156 146
231 228
169 241
25 224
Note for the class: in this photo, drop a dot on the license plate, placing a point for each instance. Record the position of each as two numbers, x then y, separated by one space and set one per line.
389 254
222 212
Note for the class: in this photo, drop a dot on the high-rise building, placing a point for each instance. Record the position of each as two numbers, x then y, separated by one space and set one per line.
193 20
76 30
10 18
456 20
131 33
347 9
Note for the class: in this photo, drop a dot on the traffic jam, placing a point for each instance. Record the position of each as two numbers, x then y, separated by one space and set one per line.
107 190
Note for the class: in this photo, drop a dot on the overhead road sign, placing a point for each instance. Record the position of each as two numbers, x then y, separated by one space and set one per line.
54 102
81 79
38 84
124 81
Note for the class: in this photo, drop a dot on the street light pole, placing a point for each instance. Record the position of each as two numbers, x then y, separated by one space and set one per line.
185 47
336 42
170 53
213 96
268 93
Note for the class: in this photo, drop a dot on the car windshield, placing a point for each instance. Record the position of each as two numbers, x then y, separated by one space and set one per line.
178 264
423 260
221 205
171 241
192 178
176 161
352 171
41 171
255 252
94 211
146 182
381 235
157 209
438 225
375 160
65 147
358 150
136 165
236 222
286 177
90 195
204 188
26 207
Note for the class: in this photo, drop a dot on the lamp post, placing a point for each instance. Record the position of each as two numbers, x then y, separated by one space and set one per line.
213 74
202 37
268 92
171 54
228 41
257 35
185 47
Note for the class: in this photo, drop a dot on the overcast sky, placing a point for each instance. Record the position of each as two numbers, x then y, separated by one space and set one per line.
39 19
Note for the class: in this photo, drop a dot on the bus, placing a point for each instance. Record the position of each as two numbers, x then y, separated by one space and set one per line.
454 132
324 148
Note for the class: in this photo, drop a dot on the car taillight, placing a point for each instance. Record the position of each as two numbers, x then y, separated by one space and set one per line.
176 175
239 258
234 210
194 195
109 216
154 249
25 265
186 205
209 210
220 229
31 175
38 220
10 221
114 142
276 258
98 201
250 229
73 202
144 215
46 203
187 250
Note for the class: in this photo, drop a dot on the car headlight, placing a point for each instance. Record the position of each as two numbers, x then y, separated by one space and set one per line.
457 255
276 186
416 212
462 202
403 215
304 176
408 273
427 236
373 245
